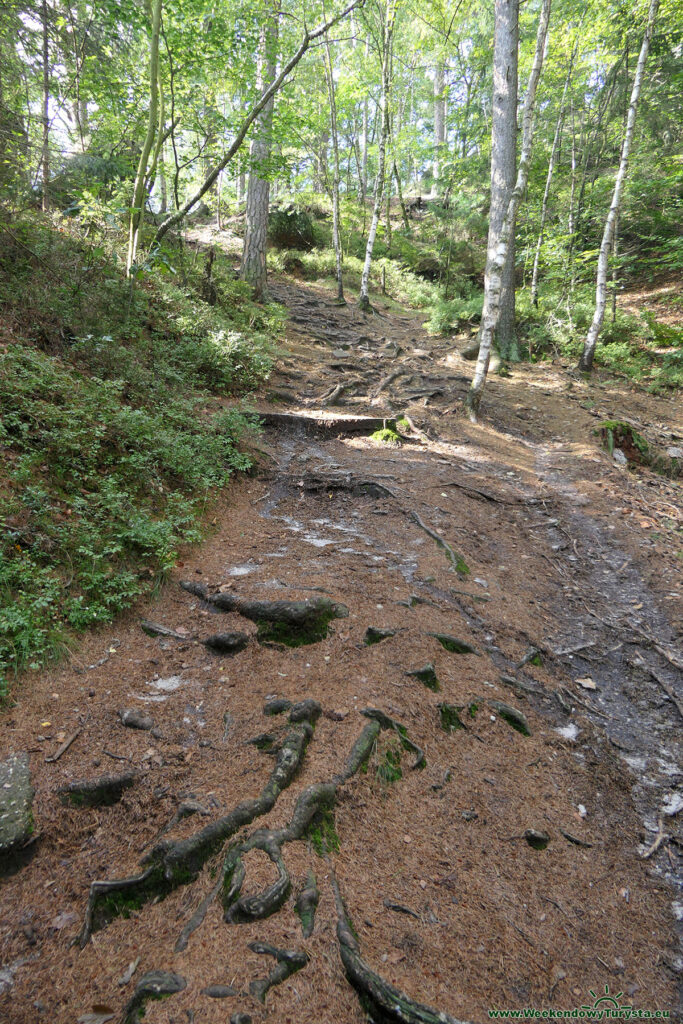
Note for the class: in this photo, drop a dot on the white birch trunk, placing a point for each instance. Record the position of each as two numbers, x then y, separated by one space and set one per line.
363 299
494 285
138 202
588 354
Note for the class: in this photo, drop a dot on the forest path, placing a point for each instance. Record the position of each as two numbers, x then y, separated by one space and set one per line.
450 901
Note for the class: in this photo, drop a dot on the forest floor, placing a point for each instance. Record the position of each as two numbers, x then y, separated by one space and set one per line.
572 603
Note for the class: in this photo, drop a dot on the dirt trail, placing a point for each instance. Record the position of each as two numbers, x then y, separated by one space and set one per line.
570 575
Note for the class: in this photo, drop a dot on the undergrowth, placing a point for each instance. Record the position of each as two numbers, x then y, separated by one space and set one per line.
112 429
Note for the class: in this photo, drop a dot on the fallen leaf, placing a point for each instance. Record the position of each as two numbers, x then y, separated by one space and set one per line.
587 683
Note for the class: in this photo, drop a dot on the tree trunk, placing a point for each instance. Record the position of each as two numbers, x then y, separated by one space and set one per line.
439 126
504 163
137 205
364 163
399 189
497 259
588 354
253 266
336 238
548 181
45 155
387 38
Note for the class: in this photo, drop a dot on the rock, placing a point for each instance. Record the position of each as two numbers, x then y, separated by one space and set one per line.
537 840
102 792
375 635
16 803
452 644
619 457
512 716
227 643
277 706
674 452
240 1018
306 711
134 719
471 349
427 676
218 991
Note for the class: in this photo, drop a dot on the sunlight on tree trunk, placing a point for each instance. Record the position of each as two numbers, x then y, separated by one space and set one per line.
383 115
336 236
494 284
253 266
138 203
588 354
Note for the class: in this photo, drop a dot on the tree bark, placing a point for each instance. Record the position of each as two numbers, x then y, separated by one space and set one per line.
439 126
137 204
588 354
336 237
504 162
253 266
45 155
383 113
497 259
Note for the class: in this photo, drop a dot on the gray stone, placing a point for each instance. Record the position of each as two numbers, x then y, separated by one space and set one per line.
219 991
134 719
16 801
227 643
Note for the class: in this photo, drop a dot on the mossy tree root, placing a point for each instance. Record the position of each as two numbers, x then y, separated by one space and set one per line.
290 622
313 802
385 1003
153 985
289 961
306 905
385 722
172 863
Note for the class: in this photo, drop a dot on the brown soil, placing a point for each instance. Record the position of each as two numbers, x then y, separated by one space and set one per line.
569 555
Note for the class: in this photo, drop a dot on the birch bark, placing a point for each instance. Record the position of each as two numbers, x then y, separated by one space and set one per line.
588 354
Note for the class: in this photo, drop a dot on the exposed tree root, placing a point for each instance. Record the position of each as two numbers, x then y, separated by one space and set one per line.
335 424
288 962
457 561
177 862
384 1003
153 985
402 733
306 905
290 622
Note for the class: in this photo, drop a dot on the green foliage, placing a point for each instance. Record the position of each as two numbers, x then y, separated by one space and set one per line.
450 315
386 436
112 445
290 228
389 769
323 834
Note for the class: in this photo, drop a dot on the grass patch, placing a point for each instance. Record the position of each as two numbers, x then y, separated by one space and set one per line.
113 433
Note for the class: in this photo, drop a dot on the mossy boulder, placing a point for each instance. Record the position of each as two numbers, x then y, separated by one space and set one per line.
16 803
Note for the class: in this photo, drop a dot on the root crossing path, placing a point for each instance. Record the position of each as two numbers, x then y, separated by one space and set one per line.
400 742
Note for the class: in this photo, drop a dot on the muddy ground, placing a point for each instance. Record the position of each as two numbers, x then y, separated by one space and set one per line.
569 593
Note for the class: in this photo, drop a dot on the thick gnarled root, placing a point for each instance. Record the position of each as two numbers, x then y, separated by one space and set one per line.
384 1003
